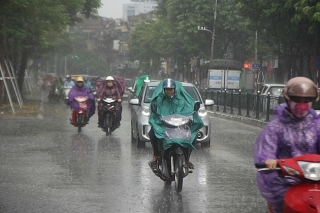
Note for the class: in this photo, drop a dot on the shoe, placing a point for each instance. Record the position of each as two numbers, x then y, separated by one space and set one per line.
70 121
153 164
191 166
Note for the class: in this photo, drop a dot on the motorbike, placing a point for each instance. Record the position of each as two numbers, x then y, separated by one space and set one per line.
303 197
109 106
173 164
66 90
80 118
54 94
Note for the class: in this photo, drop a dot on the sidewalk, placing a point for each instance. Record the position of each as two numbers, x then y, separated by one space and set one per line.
32 106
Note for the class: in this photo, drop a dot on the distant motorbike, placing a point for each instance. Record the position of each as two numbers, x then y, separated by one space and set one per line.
66 90
54 93
303 197
80 118
109 106
174 162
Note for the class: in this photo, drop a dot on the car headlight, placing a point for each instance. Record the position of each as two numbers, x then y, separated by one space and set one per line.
310 170
202 112
146 112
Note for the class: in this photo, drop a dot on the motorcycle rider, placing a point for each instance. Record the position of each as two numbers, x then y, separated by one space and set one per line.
68 81
170 101
88 84
110 90
80 90
293 131
139 83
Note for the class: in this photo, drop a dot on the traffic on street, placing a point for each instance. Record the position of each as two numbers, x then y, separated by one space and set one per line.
46 166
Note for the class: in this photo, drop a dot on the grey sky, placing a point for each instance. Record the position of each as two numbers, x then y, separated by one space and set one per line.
112 8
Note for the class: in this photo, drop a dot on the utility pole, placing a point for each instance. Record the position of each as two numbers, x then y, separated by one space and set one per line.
213 29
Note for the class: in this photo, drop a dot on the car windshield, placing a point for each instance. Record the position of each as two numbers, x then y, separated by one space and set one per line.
190 90
275 91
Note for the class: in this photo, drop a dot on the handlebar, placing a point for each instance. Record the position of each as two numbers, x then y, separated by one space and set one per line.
263 167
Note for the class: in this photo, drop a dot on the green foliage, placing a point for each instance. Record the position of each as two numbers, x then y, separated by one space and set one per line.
175 34
287 27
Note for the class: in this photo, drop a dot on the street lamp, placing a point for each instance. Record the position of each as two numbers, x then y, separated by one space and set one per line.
212 40
213 30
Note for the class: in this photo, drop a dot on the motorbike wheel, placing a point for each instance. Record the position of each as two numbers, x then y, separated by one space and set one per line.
167 183
107 124
108 131
178 173
79 122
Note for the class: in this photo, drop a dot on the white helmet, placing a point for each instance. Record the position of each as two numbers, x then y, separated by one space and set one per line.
109 78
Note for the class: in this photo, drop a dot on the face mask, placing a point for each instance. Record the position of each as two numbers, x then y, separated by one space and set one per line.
300 110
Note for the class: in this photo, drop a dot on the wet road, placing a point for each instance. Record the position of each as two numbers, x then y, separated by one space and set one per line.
47 167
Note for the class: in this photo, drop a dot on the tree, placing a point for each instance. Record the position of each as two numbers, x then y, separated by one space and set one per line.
290 28
27 26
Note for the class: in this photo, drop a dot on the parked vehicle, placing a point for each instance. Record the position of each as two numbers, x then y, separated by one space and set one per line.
109 115
140 114
275 91
224 75
80 118
304 197
174 163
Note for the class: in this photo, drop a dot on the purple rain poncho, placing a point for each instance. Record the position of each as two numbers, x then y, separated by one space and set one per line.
284 137
82 91
118 89
103 91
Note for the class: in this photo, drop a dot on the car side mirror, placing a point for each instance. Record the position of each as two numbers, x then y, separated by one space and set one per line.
154 108
196 106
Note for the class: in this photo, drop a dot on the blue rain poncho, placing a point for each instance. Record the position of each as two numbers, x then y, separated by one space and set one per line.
181 103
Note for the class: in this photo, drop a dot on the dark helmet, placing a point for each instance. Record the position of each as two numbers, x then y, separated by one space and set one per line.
169 83
300 87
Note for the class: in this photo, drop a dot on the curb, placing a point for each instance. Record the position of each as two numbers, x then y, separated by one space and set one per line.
242 119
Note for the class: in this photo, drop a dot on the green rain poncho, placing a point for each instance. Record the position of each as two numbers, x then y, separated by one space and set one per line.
139 84
181 103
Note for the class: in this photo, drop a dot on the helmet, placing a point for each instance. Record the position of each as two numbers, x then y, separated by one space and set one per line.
79 79
68 76
147 79
109 78
300 87
169 83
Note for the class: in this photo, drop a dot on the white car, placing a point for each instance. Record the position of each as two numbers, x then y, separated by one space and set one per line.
275 90
140 114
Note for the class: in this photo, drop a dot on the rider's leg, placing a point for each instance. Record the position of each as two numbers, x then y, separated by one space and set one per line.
154 143
100 118
191 166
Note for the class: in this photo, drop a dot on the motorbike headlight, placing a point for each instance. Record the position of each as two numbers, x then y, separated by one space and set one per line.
146 112
202 112
310 170
176 121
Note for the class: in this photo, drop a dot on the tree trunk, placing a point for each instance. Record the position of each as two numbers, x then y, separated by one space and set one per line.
21 72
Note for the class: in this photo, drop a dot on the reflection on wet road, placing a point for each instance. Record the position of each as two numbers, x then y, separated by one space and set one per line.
47 167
